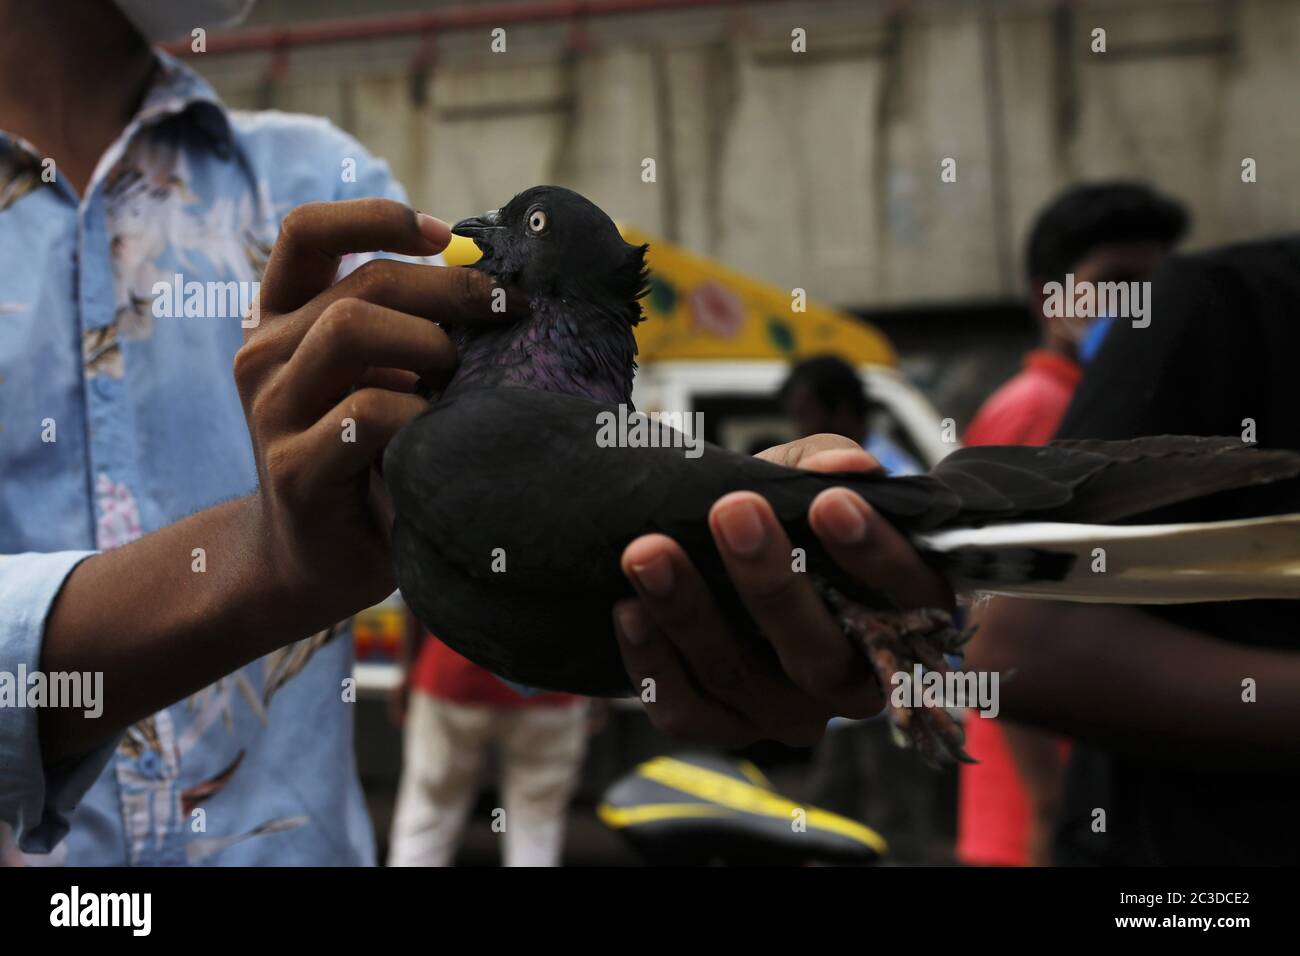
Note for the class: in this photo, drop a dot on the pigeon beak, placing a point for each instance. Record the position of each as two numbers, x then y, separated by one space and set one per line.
479 227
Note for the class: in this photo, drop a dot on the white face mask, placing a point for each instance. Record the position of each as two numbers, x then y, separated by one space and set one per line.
162 20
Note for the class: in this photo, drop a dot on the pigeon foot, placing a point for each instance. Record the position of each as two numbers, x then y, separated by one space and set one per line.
897 641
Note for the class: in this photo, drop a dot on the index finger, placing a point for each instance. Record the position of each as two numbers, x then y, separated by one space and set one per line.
315 236
783 602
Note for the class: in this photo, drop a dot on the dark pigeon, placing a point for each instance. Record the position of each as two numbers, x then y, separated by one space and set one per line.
505 465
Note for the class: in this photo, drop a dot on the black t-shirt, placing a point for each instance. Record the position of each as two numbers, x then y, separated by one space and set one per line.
1223 346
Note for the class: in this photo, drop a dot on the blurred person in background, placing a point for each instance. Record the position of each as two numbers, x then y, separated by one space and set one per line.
1183 717
1097 232
824 395
454 712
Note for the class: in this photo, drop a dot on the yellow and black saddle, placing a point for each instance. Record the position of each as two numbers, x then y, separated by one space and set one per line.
703 808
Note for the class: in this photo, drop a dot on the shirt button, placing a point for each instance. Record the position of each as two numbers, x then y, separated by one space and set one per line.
103 387
149 764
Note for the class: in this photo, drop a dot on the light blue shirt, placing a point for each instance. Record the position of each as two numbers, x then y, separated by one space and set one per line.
147 429
891 457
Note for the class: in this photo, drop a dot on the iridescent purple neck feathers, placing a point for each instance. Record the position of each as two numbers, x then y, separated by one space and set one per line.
553 350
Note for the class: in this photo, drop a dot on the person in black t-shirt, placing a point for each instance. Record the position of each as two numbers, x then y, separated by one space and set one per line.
1173 765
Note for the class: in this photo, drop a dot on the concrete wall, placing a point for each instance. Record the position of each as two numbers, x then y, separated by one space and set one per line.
821 169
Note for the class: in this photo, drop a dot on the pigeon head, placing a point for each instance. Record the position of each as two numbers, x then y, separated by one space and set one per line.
553 244
582 283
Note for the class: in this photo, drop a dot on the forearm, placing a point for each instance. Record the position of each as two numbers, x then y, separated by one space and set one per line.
1037 756
1036 753
1127 680
158 628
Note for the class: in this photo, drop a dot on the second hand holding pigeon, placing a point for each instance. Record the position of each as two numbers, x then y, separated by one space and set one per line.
676 627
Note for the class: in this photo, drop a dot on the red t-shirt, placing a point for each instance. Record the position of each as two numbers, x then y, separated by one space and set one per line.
993 810
441 672
1028 408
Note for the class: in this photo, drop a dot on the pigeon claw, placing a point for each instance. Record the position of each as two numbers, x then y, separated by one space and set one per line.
895 642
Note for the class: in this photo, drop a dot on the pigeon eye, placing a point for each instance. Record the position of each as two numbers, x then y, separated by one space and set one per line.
537 221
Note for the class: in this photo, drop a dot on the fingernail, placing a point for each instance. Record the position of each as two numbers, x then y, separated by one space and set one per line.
632 623
435 230
845 522
742 528
655 576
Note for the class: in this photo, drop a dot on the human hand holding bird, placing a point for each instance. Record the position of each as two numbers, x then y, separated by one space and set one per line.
515 524
676 626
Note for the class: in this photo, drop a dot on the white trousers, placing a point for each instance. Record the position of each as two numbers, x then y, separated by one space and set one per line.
540 751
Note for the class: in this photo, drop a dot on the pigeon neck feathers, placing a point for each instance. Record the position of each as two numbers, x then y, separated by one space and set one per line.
570 347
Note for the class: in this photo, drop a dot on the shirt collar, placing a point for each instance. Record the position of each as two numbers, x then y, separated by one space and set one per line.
1054 365
176 89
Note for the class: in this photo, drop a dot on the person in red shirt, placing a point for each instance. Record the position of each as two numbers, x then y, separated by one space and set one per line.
1028 407
1102 232
454 712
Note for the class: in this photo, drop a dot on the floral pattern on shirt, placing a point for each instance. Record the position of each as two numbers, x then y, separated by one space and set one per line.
258 767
